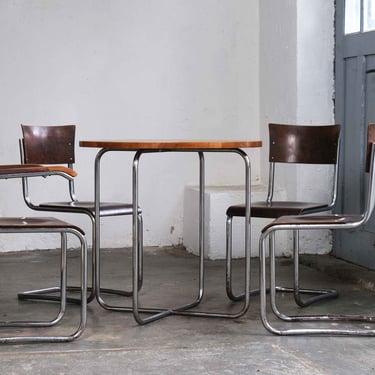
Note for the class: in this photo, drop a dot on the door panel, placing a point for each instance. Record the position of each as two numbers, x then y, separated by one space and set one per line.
355 108
352 138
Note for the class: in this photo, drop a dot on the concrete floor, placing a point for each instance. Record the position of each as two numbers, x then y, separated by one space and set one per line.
114 343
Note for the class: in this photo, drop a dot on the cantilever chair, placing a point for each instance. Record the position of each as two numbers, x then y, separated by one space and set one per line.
24 329
55 145
296 144
312 222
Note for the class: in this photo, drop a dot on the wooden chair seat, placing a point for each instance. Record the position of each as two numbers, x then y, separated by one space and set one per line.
106 208
301 220
275 209
36 223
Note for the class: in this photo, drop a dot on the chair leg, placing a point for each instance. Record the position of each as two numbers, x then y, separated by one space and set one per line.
270 326
61 290
49 294
53 294
318 294
228 268
228 278
63 300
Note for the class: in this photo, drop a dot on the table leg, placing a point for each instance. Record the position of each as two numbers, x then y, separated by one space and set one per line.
97 290
246 300
137 248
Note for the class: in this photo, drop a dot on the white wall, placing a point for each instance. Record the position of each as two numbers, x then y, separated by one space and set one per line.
315 77
131 69
297 86
161 69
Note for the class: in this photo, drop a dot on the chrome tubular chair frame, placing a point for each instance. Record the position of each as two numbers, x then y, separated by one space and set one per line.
55 144
311 222
49 225
325 141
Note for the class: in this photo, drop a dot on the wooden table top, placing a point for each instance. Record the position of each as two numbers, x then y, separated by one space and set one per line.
170 144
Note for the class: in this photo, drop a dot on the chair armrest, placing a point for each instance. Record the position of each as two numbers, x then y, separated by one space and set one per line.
35 170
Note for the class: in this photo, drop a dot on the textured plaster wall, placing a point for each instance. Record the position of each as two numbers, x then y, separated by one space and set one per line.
130 69
297 86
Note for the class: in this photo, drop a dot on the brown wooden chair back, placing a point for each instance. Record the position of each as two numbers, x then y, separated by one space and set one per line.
48 144
303 143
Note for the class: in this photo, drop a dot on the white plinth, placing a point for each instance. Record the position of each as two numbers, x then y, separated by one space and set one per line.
218 199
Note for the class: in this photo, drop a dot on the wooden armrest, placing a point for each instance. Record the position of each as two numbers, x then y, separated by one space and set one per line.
60 168
29 170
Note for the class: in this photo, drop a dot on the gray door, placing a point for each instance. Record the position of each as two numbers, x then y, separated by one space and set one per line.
355 108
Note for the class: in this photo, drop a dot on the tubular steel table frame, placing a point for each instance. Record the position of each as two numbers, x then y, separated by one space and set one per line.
145 147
